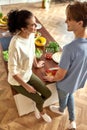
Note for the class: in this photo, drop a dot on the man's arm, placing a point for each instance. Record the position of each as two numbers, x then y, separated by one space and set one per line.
58 77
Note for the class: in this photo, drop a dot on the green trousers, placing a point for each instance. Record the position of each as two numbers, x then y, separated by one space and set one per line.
40 96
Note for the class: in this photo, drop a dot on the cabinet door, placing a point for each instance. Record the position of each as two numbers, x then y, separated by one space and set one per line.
17 1
34 0
4 2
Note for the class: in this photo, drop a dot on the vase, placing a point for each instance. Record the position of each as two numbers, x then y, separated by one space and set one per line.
47 4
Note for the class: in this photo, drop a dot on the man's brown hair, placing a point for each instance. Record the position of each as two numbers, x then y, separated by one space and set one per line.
78 12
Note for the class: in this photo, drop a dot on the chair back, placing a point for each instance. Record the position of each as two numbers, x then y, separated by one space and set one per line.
4 41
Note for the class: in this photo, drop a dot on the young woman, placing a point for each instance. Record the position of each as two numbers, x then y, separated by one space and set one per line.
22 24
72 72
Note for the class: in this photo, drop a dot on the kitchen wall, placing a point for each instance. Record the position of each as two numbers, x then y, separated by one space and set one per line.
34 0
4 2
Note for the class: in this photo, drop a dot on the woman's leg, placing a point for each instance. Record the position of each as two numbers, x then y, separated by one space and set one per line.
42 94
35 97
40 87
39 97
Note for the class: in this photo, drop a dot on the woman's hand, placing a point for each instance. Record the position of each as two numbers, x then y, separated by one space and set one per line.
40 64
30 89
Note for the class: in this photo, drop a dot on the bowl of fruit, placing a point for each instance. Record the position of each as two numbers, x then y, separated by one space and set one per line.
40 41
3 21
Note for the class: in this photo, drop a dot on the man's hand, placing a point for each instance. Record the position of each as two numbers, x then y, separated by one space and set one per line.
48 78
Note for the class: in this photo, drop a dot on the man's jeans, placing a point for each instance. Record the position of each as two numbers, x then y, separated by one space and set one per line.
66 100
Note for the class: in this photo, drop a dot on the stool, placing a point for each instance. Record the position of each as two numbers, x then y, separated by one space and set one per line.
25 105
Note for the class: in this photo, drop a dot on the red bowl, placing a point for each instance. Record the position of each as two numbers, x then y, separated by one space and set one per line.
51 72
48 55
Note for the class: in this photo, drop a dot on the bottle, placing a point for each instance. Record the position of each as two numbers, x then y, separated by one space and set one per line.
47 4
1 14
43 3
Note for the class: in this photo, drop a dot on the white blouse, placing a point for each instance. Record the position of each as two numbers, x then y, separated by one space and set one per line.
21 57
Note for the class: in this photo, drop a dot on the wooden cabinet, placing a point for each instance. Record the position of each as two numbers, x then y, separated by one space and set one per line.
6 2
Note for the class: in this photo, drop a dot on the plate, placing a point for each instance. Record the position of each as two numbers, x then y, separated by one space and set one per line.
57 56
39 26
2 25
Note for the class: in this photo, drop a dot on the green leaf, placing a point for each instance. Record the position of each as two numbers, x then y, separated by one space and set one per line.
38 53
5 55
52 47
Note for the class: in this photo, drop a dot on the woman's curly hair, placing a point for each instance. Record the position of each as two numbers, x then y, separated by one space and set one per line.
17 19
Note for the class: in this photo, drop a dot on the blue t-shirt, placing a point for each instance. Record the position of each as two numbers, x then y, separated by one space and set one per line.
74 60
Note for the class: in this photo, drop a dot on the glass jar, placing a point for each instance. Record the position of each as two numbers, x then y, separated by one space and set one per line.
47 4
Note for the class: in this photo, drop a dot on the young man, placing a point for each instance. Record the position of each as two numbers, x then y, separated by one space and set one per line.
72 72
